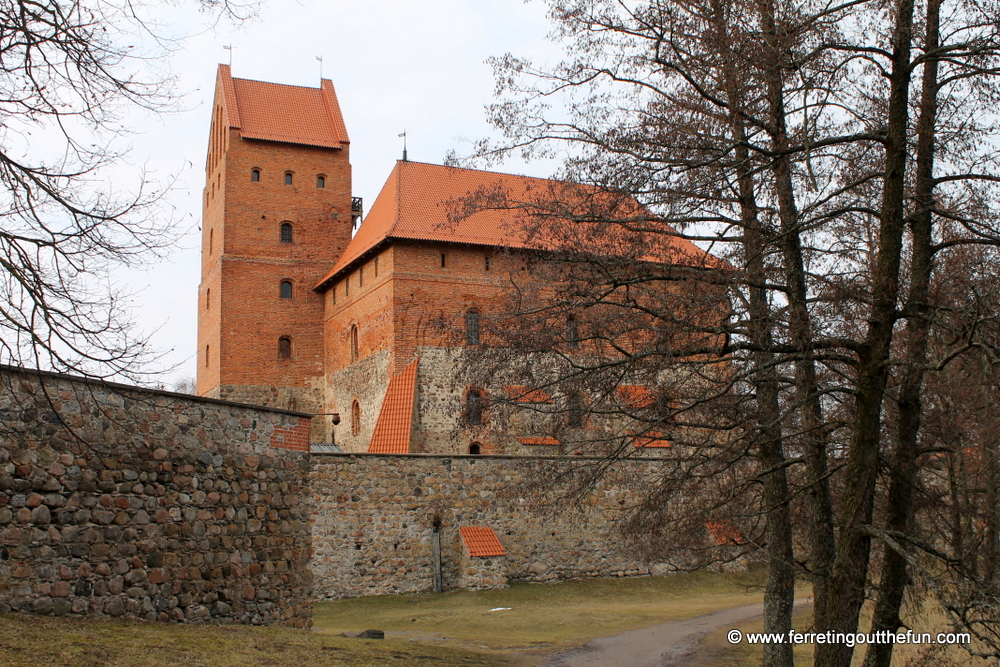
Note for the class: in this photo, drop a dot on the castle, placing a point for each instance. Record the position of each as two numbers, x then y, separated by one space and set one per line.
296 313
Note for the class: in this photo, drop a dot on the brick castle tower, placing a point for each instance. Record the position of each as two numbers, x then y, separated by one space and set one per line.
277 215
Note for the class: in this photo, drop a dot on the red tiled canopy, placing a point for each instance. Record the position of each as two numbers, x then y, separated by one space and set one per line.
481 541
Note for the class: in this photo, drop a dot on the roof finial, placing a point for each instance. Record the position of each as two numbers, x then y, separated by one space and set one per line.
229 47
403 134
320 59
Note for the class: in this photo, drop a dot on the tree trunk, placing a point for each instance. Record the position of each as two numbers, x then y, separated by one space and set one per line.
904 470
850 570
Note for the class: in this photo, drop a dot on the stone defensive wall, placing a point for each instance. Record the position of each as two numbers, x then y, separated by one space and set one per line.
116 500
375 518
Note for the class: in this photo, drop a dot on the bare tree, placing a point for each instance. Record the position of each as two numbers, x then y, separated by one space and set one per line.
69 74
780 136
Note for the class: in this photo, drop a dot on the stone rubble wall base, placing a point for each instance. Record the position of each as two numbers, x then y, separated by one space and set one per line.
119 501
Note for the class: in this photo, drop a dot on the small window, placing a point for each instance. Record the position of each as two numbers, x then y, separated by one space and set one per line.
321 181
376 266
475 448
361 276
333 295
475 406
206 356
286 232
472 328
286 289
572 331
354 342
574 411
211 240
284 347
347 286
444 261
255 175
355 418
486 263
288 178
208 298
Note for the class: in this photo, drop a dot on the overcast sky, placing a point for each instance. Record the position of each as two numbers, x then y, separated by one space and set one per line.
396 64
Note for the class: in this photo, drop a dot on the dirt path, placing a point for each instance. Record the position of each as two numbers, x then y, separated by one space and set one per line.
673 644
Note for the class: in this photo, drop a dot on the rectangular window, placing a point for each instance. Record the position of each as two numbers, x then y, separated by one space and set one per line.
347 286
486 263
444 260
376 266
361 276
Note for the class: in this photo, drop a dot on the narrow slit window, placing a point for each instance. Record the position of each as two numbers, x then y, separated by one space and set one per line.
354 342
444 261
486 263
572 331
355 418
472 328
475 407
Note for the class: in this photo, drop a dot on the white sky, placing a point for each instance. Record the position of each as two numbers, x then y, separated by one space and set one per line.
396 64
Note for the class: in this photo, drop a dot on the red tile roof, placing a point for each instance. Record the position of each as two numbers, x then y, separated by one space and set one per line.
277 112
651 439
634 395
521 394
546 440
395 419
725 534
481 541
422 202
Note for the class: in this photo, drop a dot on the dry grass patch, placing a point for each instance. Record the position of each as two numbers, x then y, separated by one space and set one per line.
38 641
543 618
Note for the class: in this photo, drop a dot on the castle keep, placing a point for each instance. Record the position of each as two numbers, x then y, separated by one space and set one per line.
295 313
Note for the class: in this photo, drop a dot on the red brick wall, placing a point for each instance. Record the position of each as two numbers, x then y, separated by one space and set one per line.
244 260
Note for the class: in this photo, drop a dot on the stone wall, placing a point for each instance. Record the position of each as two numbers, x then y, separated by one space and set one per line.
374 516
121 501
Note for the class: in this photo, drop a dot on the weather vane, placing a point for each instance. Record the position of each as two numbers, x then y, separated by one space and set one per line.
320 59
403 134
229 47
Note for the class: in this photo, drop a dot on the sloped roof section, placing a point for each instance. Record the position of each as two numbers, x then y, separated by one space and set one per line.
725 534
543 440
395 419
278 112
634 395
429 202
481 541
521 394
652 439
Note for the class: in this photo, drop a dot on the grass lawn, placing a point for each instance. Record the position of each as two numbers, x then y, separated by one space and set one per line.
455 629
40 641
543 618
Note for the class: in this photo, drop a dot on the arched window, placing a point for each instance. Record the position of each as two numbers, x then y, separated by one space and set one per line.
572 331
472 328
475 407
475 448
255 175
355 418
286 289
286 232
354 342
284 347
288 178
574 410
321 181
